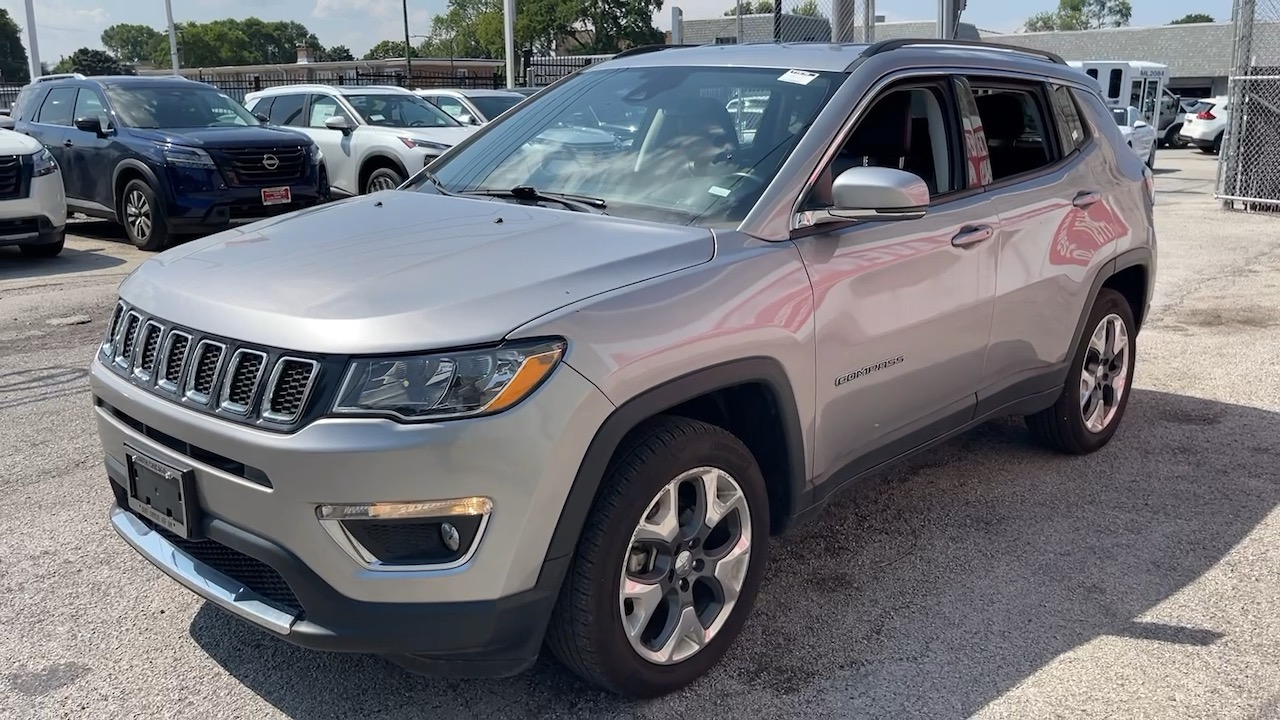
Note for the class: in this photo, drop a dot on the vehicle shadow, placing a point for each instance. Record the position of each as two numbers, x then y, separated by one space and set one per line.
100 230
15 266
929 592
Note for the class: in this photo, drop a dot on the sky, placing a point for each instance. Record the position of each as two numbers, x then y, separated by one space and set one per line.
62 26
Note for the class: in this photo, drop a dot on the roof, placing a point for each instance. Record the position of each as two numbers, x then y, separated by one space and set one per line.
125 80
469 92
833 57
338 89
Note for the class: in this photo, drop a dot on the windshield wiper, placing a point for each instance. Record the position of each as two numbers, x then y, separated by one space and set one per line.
580 203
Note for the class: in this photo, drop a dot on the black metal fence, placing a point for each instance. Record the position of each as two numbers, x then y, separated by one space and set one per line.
537 71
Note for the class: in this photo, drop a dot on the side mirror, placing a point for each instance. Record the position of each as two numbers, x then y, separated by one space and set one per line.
262 118
1141 124
90 124
338 122
871 193
467 119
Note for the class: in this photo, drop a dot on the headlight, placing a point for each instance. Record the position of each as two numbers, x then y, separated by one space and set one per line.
450 385
43 163
316 155
425 144
188 157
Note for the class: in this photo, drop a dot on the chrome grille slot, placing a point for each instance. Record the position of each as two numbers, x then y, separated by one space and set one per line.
243 374
125 340
288 390
146 365
175 357
206 363
109 343
11 172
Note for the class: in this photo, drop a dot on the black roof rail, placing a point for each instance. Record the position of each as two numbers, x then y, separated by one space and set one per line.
887 45
642 49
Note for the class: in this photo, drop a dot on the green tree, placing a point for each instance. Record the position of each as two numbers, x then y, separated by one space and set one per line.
231 41
91 61
473 28
808 8
759 7
134 43
337 53
1082 15
1192 18
388 49
14 63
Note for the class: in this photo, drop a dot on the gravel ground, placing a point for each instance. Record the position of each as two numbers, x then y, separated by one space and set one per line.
987 578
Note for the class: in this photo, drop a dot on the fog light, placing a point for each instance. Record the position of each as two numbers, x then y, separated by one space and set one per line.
407 509
449 534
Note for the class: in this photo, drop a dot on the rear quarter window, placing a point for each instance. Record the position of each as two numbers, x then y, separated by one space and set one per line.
1066 113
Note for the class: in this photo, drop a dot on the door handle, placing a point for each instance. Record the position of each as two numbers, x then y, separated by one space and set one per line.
972 235
1085 198
67 143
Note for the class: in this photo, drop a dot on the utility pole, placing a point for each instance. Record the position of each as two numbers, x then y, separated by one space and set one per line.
677 26
739 6
173 35
34 54
509 39
408 51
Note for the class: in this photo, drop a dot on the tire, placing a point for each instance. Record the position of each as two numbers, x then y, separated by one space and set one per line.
45 250
1151 157
147 229
587 633
1174 139
1217 144
1063 427
381 178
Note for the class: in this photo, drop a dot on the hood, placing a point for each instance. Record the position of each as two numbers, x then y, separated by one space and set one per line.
15 143
448 135
403 271
224 137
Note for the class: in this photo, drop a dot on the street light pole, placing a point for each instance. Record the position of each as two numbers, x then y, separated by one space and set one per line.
173 35
31 40
408 51
509 39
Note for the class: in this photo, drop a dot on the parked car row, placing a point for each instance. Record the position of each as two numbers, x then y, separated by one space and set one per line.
168 156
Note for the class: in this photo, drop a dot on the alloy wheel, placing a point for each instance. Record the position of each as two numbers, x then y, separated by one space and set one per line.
382 182
137 213
685 565
1105 373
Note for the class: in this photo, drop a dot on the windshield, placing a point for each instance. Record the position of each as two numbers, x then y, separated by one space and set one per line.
400 110
695 155
494 105
178 107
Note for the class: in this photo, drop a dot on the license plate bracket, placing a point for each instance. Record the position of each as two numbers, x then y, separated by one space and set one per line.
163 494
277 196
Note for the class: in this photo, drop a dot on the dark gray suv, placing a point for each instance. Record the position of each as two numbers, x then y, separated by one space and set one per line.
556 396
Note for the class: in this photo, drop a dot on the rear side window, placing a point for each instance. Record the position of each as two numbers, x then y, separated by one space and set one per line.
1016 123
287 110
58 107
1071 130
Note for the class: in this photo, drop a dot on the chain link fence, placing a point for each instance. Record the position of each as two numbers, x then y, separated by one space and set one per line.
1249 153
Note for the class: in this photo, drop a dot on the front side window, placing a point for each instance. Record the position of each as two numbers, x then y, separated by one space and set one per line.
324 107
178 107
688 160
397 110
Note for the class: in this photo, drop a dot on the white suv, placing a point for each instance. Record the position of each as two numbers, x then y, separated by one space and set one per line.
1205 124
33 203
373 138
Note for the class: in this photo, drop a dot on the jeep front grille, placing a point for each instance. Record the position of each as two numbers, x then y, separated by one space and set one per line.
262 386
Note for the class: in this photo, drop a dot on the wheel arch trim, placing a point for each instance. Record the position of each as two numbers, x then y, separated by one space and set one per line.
147 174
626 417
1134 257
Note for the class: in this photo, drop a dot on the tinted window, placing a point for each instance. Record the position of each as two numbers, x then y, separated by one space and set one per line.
1113 88
1071 129
178 107
28 101
58 106
494 105
287 110
1014 121
399 110
88 104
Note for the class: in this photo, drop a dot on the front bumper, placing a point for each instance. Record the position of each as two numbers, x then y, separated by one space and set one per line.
272 563
199 200
40 218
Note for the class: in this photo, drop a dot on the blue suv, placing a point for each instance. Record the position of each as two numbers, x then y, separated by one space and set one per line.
165 155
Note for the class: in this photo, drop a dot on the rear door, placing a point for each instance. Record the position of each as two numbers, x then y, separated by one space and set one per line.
52 122
1057 222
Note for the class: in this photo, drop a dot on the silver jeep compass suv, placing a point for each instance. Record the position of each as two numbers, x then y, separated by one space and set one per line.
565 392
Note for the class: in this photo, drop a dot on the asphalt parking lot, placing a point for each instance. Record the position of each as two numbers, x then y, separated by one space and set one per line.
987 578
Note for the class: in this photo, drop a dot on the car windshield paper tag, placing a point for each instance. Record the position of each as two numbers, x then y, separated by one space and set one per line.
799 77
717 190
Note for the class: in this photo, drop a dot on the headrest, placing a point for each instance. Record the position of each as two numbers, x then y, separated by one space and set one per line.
1002 116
